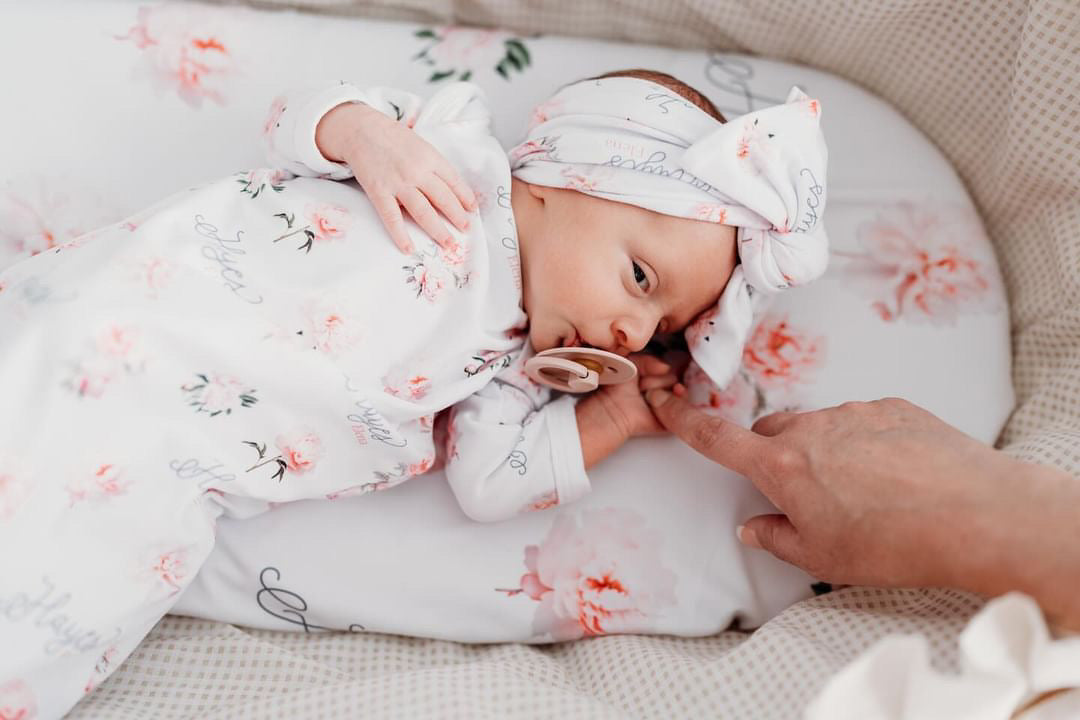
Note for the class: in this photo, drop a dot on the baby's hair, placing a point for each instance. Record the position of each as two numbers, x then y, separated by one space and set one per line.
671 83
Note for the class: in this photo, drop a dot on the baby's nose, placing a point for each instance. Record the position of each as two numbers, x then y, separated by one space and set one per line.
633 333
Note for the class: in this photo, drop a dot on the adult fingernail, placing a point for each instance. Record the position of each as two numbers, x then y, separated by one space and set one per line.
657 397
747 537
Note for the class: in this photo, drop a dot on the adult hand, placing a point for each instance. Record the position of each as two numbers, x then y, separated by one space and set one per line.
884 493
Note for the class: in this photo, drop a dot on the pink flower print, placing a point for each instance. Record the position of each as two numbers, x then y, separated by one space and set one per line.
101 670
453 252
13 491
154 274
601 575
170 567
184 49
119 342
329 327
779 356
709 212
753 144
543 112
277 109
253 182
329 222
738 402
17 701
925 264
421 467
325 223
89 380
459 52
430 279
218 394
39 214
413 387
543 148
114 352
106 481
300 449
577 181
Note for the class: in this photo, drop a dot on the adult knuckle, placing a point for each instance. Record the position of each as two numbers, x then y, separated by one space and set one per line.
786 461
706 434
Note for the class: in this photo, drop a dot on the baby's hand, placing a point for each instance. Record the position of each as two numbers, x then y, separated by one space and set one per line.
396 168
625 402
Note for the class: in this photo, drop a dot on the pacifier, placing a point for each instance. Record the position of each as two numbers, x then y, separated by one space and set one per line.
579 369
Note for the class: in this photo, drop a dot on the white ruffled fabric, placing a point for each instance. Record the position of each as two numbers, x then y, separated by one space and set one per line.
634 141
1010 666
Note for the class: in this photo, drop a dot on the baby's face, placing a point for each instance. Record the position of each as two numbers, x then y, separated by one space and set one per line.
610 275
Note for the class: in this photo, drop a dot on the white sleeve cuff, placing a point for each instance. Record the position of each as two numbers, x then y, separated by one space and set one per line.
567 460
307 119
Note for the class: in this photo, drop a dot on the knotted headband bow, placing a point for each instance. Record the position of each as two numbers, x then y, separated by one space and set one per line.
636 142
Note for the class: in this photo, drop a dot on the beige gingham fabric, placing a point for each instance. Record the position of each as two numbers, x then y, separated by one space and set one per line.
996 85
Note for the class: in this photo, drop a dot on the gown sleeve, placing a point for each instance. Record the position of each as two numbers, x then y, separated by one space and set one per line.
511 448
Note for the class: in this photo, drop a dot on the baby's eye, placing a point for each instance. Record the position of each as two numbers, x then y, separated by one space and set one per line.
640 277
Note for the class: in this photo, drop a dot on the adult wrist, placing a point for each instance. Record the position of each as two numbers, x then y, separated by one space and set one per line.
1025 537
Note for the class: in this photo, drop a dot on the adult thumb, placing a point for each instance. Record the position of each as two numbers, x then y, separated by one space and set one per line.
773 533
718 439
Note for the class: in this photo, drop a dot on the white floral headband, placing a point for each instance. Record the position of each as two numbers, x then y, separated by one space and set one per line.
636 142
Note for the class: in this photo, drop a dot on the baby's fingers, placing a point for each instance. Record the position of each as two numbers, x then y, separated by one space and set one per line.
464 193
651 382
441 196
425 216
389 212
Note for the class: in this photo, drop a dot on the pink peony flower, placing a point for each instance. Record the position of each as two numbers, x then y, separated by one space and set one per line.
601 575
576 181
925 264
216 393
17 701
330 328
430 280
37 214
777 355
737 402
708 212
421 467
105 482
171 567
467 48
328 222
184 49
118 342
155 274
301 450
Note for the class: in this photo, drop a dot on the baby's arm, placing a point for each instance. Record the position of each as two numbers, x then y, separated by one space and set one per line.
511 449
343 131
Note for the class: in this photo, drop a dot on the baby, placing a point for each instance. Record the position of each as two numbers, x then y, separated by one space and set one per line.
247 343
